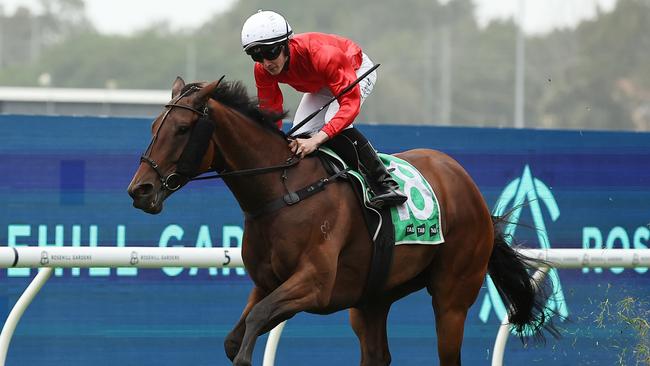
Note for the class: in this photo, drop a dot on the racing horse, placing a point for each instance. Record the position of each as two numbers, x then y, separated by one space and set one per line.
312 256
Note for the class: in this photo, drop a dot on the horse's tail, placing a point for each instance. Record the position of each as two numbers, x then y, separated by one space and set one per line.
512 275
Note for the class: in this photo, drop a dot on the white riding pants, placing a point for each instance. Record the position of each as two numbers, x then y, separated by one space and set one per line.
311 102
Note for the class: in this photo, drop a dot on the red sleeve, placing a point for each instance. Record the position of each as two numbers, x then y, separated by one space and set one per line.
332 62
269 94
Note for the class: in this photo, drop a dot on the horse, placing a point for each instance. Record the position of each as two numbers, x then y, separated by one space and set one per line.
311 256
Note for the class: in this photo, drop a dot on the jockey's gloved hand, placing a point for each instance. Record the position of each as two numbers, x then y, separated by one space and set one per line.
303 147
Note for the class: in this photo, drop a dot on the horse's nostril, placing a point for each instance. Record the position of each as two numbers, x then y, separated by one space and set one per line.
141 190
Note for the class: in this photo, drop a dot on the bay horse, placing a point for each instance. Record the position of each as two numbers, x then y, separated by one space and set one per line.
312 256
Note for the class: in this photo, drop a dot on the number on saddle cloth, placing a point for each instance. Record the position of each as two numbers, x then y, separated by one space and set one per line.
417 221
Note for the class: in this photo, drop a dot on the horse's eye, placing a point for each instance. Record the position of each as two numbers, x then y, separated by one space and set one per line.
183 130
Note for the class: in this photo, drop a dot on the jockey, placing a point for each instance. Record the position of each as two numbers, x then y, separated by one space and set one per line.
319 65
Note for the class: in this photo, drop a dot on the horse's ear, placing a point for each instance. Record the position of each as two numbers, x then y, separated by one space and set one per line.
178 85
204 94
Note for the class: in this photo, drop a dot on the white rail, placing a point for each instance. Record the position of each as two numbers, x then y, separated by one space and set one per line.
136 257
50 257
583 258
17 311
567 259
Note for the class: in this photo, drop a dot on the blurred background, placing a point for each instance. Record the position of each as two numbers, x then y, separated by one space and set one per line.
517 91
581 64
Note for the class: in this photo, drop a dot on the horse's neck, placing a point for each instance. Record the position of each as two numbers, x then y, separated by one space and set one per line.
246 145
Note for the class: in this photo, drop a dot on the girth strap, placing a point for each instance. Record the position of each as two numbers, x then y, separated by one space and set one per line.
292 198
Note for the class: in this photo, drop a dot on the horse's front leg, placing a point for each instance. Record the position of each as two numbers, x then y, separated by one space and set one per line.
234 338
307 289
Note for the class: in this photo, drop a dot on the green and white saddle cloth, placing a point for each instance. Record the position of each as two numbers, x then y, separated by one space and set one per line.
417 221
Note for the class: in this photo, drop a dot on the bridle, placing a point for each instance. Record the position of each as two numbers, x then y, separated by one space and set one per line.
174 180
202 131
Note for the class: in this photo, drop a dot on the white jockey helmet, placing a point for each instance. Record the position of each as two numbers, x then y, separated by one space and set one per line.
264 28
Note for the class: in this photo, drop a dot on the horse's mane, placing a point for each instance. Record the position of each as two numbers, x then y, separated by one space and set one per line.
233 94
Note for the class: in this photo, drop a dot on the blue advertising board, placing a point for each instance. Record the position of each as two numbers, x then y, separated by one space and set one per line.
64 184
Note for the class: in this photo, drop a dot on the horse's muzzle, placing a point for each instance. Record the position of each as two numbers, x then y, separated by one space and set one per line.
146 198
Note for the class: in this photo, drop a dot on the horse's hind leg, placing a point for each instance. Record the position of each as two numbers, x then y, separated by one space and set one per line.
453 291
369 324
449 328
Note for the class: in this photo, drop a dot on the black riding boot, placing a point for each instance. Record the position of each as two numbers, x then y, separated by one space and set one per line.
384 187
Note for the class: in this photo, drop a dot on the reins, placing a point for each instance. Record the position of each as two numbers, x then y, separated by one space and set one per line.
292 161
176 179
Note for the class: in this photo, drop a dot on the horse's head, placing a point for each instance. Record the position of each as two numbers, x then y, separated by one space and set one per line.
179 148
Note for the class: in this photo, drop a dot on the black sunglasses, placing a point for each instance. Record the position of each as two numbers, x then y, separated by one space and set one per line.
258 54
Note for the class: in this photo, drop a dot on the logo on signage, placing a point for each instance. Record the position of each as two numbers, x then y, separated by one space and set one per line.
134 258
45 258
526 192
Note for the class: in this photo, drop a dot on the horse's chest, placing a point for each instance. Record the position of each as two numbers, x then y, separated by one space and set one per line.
271 270
270 256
